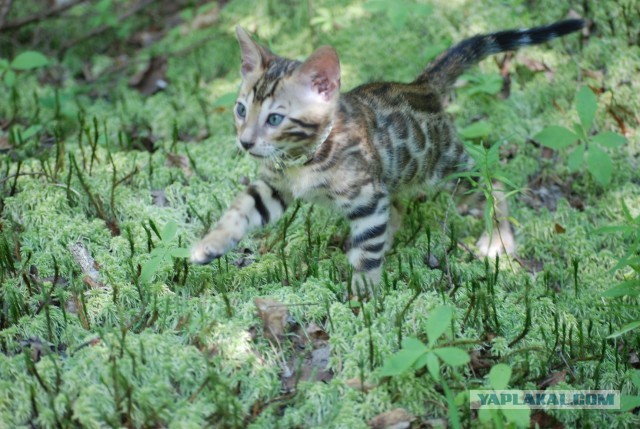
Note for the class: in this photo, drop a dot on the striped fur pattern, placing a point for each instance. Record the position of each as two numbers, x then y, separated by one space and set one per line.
354 152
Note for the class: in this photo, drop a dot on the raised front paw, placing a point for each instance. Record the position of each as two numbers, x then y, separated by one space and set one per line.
213 246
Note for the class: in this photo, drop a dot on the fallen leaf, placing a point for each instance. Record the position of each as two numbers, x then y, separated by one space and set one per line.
560 229
152 78
245 260
88 265
274 316
310 357
358 384
180 161
397 418
553 379
541 419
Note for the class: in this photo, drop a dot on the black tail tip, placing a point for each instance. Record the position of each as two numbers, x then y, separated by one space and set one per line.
567 26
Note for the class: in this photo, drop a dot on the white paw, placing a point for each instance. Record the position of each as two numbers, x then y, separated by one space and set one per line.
502 242
213 246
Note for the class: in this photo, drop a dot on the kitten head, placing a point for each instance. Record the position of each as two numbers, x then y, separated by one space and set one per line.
284 107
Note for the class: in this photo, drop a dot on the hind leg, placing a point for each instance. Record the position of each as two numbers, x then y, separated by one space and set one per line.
395 221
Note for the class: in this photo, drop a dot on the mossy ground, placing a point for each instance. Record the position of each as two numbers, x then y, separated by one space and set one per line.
180 352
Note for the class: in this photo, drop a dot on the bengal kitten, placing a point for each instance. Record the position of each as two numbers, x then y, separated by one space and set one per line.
354 152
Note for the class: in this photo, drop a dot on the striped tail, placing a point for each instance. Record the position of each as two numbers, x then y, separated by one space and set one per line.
446 69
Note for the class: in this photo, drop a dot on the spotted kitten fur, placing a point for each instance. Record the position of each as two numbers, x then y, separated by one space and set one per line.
354 152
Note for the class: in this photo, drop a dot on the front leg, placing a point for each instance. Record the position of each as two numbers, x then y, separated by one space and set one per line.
258 205
370 239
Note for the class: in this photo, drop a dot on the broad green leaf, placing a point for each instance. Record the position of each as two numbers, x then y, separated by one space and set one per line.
453 356
158 251
611 229
485 414
29 60
576 158
169 231
180 252
628 402
10 78
599 165
226 100
438 322
556 137
399 363
586 105
398 15
433 365
635 378
499 376
476 130
412 343
609 139
521 418
149 269
626 328
630 287
3 64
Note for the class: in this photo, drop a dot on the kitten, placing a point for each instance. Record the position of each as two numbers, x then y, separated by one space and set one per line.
354 152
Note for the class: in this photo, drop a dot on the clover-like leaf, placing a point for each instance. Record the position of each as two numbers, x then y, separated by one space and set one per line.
453 356
556 137
599 165
169 231
438 322
29 60
499 376
586 105
576 158
609 139
476 130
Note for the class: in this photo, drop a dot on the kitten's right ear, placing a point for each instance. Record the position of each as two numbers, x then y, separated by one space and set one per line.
254 56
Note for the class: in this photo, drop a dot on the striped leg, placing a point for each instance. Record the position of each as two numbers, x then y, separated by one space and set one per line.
257 206
369 240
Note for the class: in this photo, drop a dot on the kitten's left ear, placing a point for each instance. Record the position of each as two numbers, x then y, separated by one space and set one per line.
321 72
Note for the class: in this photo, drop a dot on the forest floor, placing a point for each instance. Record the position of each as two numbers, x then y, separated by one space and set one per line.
117 153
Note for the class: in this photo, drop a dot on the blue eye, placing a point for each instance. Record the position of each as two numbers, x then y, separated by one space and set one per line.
274 119
241 110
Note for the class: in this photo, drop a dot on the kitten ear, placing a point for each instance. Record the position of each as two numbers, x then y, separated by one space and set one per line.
320 73
254 56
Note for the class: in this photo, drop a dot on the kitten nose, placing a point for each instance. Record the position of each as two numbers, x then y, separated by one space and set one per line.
246 145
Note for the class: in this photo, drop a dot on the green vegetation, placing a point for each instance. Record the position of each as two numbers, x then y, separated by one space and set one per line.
117 152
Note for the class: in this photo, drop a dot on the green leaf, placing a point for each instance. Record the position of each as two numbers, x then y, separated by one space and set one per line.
630 287
403 360
599 165
576 158
626 328
586 105
453 356
169 231
609 139
476 130
485 414
628 402
556 137
521 417
226 100
485 83
433 365
10 78
499 376
635 378
180 252
438 322
149 268
29 60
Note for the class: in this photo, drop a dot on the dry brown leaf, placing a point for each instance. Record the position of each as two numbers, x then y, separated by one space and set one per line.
358 384
560 229
152 78
274 316
397 418
541 419
87 264
180 161
553 379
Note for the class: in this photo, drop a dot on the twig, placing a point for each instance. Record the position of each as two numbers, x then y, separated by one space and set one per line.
140 5
54 11
5 7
